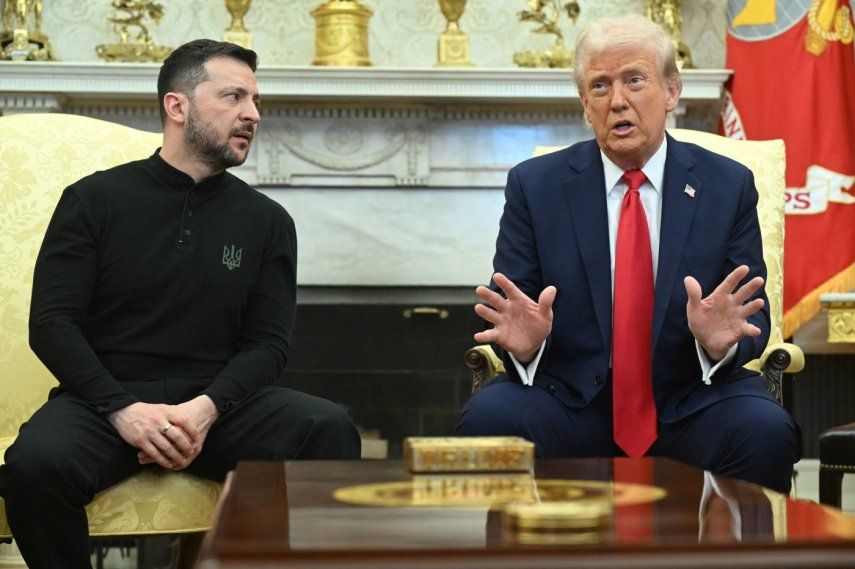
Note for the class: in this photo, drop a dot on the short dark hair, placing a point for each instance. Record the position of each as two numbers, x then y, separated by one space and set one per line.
184 69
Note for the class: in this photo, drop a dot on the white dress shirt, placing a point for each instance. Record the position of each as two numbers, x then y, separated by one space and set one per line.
713 487
651 199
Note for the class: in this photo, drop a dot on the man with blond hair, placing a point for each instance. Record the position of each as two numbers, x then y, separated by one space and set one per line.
604 254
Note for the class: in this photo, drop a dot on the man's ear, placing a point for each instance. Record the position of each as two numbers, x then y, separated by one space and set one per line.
672 95
176 106
584 100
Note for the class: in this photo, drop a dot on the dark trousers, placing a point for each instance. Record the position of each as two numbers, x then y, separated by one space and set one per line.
66 453
749 438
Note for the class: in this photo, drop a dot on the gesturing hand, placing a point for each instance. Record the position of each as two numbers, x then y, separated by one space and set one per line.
520 325
721 319
144 426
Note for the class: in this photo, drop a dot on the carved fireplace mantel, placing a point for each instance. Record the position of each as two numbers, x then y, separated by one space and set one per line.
78 83
394 176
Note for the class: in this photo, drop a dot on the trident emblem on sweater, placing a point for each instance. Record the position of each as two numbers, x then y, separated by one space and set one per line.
231 258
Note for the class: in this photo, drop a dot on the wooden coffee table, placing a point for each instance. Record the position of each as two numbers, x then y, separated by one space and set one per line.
376 514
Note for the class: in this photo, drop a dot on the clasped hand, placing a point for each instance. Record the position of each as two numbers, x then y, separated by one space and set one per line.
143 426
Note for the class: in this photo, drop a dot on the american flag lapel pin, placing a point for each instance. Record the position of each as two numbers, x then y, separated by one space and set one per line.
689 191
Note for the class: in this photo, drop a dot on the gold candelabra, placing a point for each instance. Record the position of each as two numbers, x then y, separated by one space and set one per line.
22 38
453 47
558 55
669 15
237 32
133 47
341 34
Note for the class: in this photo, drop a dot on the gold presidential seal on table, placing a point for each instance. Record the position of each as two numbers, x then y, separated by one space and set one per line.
477 472
486 490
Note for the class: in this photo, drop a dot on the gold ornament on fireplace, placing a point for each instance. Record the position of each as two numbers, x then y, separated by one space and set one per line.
22 38
341 33
558 55
453 48
135 43
669 15
237 32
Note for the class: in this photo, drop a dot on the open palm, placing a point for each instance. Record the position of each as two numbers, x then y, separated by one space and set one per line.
520 325
721 319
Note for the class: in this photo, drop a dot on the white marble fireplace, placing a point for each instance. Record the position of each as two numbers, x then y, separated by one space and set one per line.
394 176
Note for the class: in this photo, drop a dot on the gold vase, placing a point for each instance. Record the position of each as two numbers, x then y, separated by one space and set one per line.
341 35
237 32
453 46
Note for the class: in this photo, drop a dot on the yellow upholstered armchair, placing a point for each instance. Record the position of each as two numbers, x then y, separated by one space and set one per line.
767 160
39 156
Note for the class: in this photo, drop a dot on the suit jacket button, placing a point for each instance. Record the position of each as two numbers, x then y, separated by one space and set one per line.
598 381
550 388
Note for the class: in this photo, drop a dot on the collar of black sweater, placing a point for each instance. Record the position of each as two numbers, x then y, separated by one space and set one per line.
175 178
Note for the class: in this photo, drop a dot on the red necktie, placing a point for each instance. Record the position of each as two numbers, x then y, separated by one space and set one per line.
634 412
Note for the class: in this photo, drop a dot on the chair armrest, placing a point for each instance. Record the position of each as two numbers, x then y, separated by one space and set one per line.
777 360
789 358
485 365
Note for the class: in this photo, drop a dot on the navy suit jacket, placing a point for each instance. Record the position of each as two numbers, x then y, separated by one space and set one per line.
554 231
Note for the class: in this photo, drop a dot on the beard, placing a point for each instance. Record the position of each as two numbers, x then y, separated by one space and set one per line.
201 138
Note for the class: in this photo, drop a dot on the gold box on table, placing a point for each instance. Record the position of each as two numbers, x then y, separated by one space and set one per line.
468 454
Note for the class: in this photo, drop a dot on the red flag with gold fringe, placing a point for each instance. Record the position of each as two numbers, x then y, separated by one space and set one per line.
794 78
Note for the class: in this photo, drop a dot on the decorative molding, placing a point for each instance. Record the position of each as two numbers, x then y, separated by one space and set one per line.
15 103
841 316
376 85
113 110
344 153
427 112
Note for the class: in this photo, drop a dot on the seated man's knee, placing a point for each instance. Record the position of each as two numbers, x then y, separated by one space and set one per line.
769 431
333 418
34 468
762 445
489 412
334 433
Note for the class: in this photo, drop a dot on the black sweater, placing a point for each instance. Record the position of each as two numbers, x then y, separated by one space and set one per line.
145 275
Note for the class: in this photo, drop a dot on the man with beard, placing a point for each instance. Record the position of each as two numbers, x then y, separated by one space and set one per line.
163 302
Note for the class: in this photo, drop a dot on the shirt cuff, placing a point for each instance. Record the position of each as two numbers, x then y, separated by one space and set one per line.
707 368
224 393
527 373
116 404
